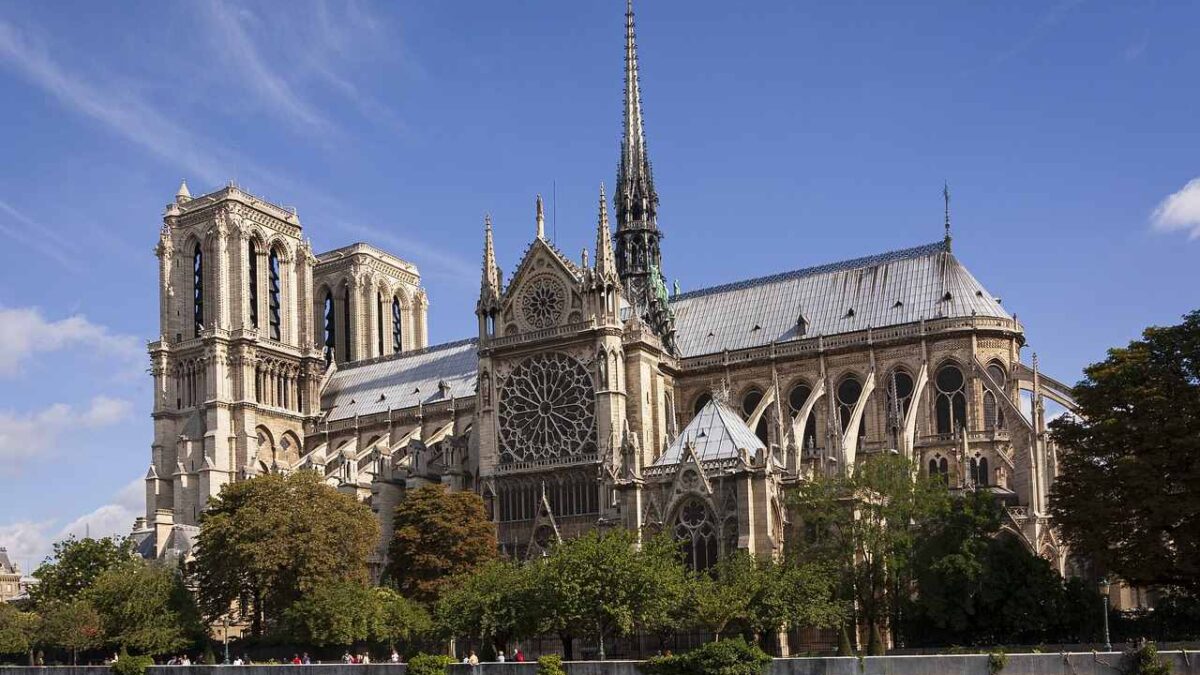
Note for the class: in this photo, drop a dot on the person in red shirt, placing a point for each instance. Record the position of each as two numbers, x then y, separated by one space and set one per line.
518 655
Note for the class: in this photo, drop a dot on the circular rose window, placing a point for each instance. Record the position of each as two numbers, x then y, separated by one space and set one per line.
542 302
547 409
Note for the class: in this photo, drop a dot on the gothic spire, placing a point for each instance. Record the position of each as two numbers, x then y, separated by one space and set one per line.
541 219
183 194
637 201
490 285
606 266
946 200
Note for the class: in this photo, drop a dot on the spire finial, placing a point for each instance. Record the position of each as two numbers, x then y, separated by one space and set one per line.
605 259
946 200
491 277
541 219
183 194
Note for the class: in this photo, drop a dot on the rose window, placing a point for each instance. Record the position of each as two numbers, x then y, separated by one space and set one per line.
547 410
542 303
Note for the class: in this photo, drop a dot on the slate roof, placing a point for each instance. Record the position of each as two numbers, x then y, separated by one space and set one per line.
717 432
6 565
402 380
892 288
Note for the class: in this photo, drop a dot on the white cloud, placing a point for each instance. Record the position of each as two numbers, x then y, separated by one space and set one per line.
37 236
25 332
1180 211
29 542
35 434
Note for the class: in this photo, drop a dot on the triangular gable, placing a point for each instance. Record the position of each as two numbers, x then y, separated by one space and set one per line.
543 525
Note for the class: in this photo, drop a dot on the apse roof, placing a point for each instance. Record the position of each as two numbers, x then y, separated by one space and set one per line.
903 286
716 432
401 381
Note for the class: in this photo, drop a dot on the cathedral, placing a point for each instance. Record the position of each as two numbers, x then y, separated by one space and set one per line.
592 396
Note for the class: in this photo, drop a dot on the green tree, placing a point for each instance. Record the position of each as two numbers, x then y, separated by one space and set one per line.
73 626
74 566
399 620
601 584
491 603
439 535
340 614
145 607
868 524
1128 491
266 541
16 629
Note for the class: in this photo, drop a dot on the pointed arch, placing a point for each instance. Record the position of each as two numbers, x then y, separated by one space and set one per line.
694 528
252 279
950 406
275 293
397 325
197 288
329 328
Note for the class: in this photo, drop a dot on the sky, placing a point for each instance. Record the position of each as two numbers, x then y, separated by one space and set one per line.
782 135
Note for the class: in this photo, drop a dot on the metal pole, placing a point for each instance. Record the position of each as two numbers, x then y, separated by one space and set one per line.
225 622
1107 642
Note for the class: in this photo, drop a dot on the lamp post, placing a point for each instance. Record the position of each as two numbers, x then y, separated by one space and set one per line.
225 625
1104 588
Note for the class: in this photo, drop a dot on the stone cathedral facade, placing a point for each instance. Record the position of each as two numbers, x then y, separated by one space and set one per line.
591 395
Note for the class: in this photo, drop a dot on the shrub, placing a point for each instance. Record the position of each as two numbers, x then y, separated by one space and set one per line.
996 662
429 664
727 657
131 665
1144 660
550 664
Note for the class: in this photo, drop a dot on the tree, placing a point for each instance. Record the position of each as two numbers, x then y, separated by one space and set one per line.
868 524
16 629
439 535
340 614
601 584
491 603
73 626
1128 491
75 565
266 541
145 607
399 620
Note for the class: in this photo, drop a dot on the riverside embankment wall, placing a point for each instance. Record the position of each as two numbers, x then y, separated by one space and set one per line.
1077 663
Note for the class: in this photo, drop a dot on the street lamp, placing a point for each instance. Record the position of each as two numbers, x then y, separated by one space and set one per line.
225 624
1104 588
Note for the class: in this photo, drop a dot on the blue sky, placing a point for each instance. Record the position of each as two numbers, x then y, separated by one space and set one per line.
783 135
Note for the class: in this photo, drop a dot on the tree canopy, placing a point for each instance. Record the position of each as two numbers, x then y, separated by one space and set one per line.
145 607
1128 490
347 612
438 536
74 566
268 540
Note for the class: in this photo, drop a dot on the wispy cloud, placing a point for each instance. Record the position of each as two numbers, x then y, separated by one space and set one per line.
37 433
24 332
1180 211
240 52
36 236
1049 19
115 107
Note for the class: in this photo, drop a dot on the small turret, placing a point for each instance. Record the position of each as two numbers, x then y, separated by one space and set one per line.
183 195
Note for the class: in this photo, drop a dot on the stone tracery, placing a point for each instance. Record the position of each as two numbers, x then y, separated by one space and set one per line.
547 409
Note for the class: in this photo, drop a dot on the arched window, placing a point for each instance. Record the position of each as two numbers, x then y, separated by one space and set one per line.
983 472
944 469
253 280
348 350
330 330
696 534
602 369
198 290
993 415
379 323
933 467
848 393
796 399
951 408
273 290
899 398
397 326
701 401
750 403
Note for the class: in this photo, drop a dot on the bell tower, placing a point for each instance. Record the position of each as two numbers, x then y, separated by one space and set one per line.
236 368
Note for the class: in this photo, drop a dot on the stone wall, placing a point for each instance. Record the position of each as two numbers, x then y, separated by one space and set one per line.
1078 663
